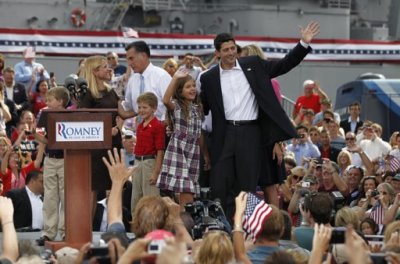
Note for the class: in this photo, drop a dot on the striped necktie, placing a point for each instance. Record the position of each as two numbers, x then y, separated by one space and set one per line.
141 87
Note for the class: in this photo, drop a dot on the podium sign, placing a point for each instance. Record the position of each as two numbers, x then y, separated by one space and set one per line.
77 132
82 130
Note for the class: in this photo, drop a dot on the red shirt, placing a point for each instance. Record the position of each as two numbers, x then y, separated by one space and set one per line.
8 183
38 103
325 153
308 103
150 138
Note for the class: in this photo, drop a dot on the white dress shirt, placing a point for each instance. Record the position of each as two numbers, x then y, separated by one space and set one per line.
156 80
104 222
238 98
37 209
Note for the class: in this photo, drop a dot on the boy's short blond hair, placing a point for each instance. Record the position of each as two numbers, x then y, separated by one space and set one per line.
59 93
148 98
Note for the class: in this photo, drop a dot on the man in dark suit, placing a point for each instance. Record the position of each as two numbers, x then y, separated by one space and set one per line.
353 123
15 91
247 119
27 202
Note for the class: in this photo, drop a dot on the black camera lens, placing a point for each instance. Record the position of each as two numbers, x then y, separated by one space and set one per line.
374 193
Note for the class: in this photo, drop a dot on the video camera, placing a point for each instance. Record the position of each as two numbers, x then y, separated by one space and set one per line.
77 86
207 215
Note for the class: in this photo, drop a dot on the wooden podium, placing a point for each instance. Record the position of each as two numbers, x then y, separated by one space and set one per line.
77 132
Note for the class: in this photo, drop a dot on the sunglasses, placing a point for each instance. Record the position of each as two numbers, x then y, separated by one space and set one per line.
350 139
110 58
297 177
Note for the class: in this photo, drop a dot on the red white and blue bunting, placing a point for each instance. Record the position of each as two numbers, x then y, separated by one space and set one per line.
80 43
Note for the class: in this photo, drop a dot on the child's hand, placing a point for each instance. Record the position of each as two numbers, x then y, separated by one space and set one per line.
180 73
153 179
207 163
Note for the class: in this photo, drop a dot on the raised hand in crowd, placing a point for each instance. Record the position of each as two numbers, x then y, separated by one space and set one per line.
237 232
181 233
136 251
356 248
391 214
173 252
322 236
119 174
10 242
309 32
392 258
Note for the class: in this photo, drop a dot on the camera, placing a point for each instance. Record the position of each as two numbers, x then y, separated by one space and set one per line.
338 235
374 193
100 253
46 255
207 215
378 258
155 246
338 201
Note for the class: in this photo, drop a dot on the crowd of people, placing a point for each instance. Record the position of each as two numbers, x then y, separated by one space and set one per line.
331 186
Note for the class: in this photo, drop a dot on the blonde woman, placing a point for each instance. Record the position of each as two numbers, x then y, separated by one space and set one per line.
216 248
170 66
344 160
100 95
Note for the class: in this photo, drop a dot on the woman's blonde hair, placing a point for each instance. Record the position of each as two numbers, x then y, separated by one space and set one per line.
169 61
344 153
216 248
390 229
254 50
346 216
93 63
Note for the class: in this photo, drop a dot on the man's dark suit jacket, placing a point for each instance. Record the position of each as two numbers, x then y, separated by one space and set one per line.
346 126
22 207
19 96
275 124
98 217
333 153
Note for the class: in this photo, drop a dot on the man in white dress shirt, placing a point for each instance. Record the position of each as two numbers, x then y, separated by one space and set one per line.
146 78
28 203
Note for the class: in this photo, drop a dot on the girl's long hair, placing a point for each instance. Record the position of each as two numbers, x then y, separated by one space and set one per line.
182 103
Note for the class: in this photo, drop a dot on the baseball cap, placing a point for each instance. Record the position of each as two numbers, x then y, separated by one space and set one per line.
307 83
326 101
396 177
29 53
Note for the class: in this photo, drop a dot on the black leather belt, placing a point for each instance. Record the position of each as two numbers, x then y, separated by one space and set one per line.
241 122
145 157
55 156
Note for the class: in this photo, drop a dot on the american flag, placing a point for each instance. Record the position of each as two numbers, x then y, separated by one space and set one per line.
78 43
129 32
392 163
256 212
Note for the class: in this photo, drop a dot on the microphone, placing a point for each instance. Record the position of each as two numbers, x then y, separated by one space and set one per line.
70 83
82 83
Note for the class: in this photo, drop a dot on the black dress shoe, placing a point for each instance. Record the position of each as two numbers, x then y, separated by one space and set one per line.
41 240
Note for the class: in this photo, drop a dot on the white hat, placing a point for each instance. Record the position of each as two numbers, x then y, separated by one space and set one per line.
29 53
66 255
307 83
